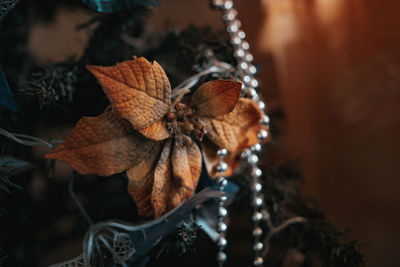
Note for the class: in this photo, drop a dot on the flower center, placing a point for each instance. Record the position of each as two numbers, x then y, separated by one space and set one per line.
182 120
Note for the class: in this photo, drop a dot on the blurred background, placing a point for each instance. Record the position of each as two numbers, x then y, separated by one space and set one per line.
333 68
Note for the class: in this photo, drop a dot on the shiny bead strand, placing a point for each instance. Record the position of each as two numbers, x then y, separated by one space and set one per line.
222 211
245 73
257 203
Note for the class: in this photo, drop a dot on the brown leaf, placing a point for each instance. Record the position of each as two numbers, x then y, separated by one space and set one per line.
163 184
141 177
216 98
209 151
138 90
102 145
237 129
186 166
176 175
157 131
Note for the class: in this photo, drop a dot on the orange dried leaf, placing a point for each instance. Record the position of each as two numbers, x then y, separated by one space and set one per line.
157 131
216 98
141 178
102 145
138 90
236 130
163 185
186 164
176 176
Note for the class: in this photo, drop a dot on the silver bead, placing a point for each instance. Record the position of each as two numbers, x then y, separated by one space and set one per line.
221 257
223 198
252 92
246 79
245 153
252 159
218 3
227 5
257 216
222 227
257 232
221 153
223 212
252 69
230 15
256 172
256 148
222 242
258 246
223 182
236 40
258 261
241 34
261 105
232 28
258 202
254 83
245 45
262 134
243 65
255 98
256 187
221 167
265 120
237 23
248 56
238 53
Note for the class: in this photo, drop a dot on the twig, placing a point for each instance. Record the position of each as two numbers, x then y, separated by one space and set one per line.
28 140
217 67
78 204
273 230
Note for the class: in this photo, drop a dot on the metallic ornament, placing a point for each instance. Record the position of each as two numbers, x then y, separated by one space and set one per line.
245 72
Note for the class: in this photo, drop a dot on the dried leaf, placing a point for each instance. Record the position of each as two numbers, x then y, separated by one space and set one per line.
102 145
163 184
157 131
138 90
216 98
141 178
176 175
237 129
186 165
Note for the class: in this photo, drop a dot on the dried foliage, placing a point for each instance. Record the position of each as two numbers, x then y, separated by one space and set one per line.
140 96
52 83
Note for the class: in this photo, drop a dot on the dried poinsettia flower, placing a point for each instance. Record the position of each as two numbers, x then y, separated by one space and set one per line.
155 139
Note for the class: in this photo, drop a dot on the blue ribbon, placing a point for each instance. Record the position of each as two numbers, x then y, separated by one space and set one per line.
134 241
113 6
207 217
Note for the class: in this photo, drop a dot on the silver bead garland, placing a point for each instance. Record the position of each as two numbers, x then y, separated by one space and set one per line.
222 211
245 73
